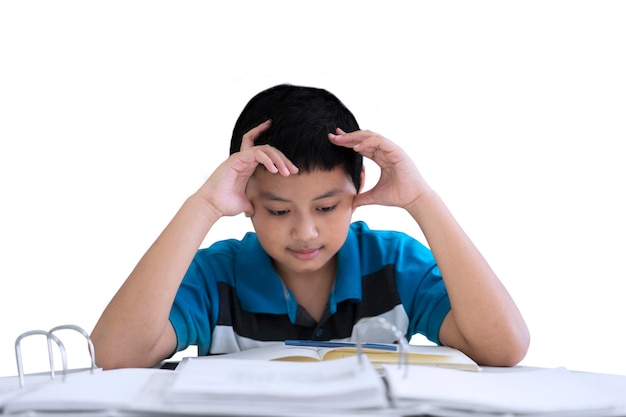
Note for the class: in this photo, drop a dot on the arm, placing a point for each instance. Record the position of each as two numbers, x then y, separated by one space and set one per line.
484 321
134 329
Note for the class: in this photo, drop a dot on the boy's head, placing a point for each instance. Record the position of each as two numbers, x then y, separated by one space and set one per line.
301 118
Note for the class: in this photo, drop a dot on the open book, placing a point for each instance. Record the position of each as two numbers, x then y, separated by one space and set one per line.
441 356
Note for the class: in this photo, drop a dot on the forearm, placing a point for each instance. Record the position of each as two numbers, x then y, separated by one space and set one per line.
134 328
484 321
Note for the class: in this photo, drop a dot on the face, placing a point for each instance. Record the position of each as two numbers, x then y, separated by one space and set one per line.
301 220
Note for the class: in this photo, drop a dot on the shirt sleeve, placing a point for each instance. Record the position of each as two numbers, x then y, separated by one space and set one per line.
421 288
196 306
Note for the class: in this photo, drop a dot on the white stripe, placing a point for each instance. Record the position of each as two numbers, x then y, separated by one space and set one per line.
396 317
225 340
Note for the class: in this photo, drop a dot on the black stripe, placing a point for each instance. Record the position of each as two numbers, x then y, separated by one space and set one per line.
380 295
380 292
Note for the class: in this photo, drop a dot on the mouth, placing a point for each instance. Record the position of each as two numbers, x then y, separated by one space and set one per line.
305 254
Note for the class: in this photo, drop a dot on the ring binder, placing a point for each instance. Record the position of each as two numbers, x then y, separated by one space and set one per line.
50 337
368 324
92 352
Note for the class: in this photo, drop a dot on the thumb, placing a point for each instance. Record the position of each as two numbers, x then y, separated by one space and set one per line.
365 199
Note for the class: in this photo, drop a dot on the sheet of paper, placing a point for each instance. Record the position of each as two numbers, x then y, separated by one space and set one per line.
340 384
102 390
533 391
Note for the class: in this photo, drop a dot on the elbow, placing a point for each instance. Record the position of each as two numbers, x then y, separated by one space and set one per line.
108 363
519 345
509 357
519 349
106 355
120 352
107 359
503 344
511 350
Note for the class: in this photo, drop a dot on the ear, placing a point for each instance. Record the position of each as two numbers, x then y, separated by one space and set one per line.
360 188
362 184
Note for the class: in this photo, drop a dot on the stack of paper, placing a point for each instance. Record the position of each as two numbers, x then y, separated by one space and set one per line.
85 392
527 392
214 386
343 384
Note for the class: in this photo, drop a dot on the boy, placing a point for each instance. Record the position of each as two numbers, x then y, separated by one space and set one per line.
307 273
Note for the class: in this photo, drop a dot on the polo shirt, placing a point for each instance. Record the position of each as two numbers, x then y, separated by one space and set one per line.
232 299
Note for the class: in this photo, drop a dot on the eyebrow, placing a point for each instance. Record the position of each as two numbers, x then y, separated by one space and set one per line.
274 197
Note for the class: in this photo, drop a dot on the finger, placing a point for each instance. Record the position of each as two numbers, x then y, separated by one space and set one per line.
349 140
362 141
283 164
371 146
274 160
342 138
247 141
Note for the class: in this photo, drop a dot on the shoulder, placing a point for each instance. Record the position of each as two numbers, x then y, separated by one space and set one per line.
388 246
229 247
365 235
226 255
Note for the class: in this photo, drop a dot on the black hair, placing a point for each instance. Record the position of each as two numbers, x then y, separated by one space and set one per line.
301 118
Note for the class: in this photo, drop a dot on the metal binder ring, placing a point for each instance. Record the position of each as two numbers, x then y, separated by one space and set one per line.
85 334
369 323
50 337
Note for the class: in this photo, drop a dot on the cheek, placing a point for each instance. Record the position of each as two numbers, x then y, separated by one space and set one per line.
265 233
340 222
266 226
258 221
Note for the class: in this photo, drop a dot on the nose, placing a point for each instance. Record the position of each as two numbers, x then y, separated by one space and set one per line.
304 228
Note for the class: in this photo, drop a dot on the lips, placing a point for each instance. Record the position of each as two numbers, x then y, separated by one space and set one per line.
305 254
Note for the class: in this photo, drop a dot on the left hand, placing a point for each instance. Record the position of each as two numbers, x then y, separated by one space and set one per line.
400 183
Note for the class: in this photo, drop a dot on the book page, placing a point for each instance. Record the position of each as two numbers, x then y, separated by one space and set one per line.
102 390
278 351
340 384
417 355
534 391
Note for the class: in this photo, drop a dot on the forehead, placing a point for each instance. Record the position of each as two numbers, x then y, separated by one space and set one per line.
304 185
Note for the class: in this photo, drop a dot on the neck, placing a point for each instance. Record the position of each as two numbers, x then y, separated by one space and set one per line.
312 289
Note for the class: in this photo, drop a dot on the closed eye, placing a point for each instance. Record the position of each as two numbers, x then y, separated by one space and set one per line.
326 209
278 212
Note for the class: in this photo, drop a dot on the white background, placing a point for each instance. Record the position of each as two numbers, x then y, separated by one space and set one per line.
112 113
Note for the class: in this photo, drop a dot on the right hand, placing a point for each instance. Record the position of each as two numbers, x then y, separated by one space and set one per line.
225 189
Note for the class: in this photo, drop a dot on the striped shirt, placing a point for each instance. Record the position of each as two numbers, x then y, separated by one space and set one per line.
232 299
